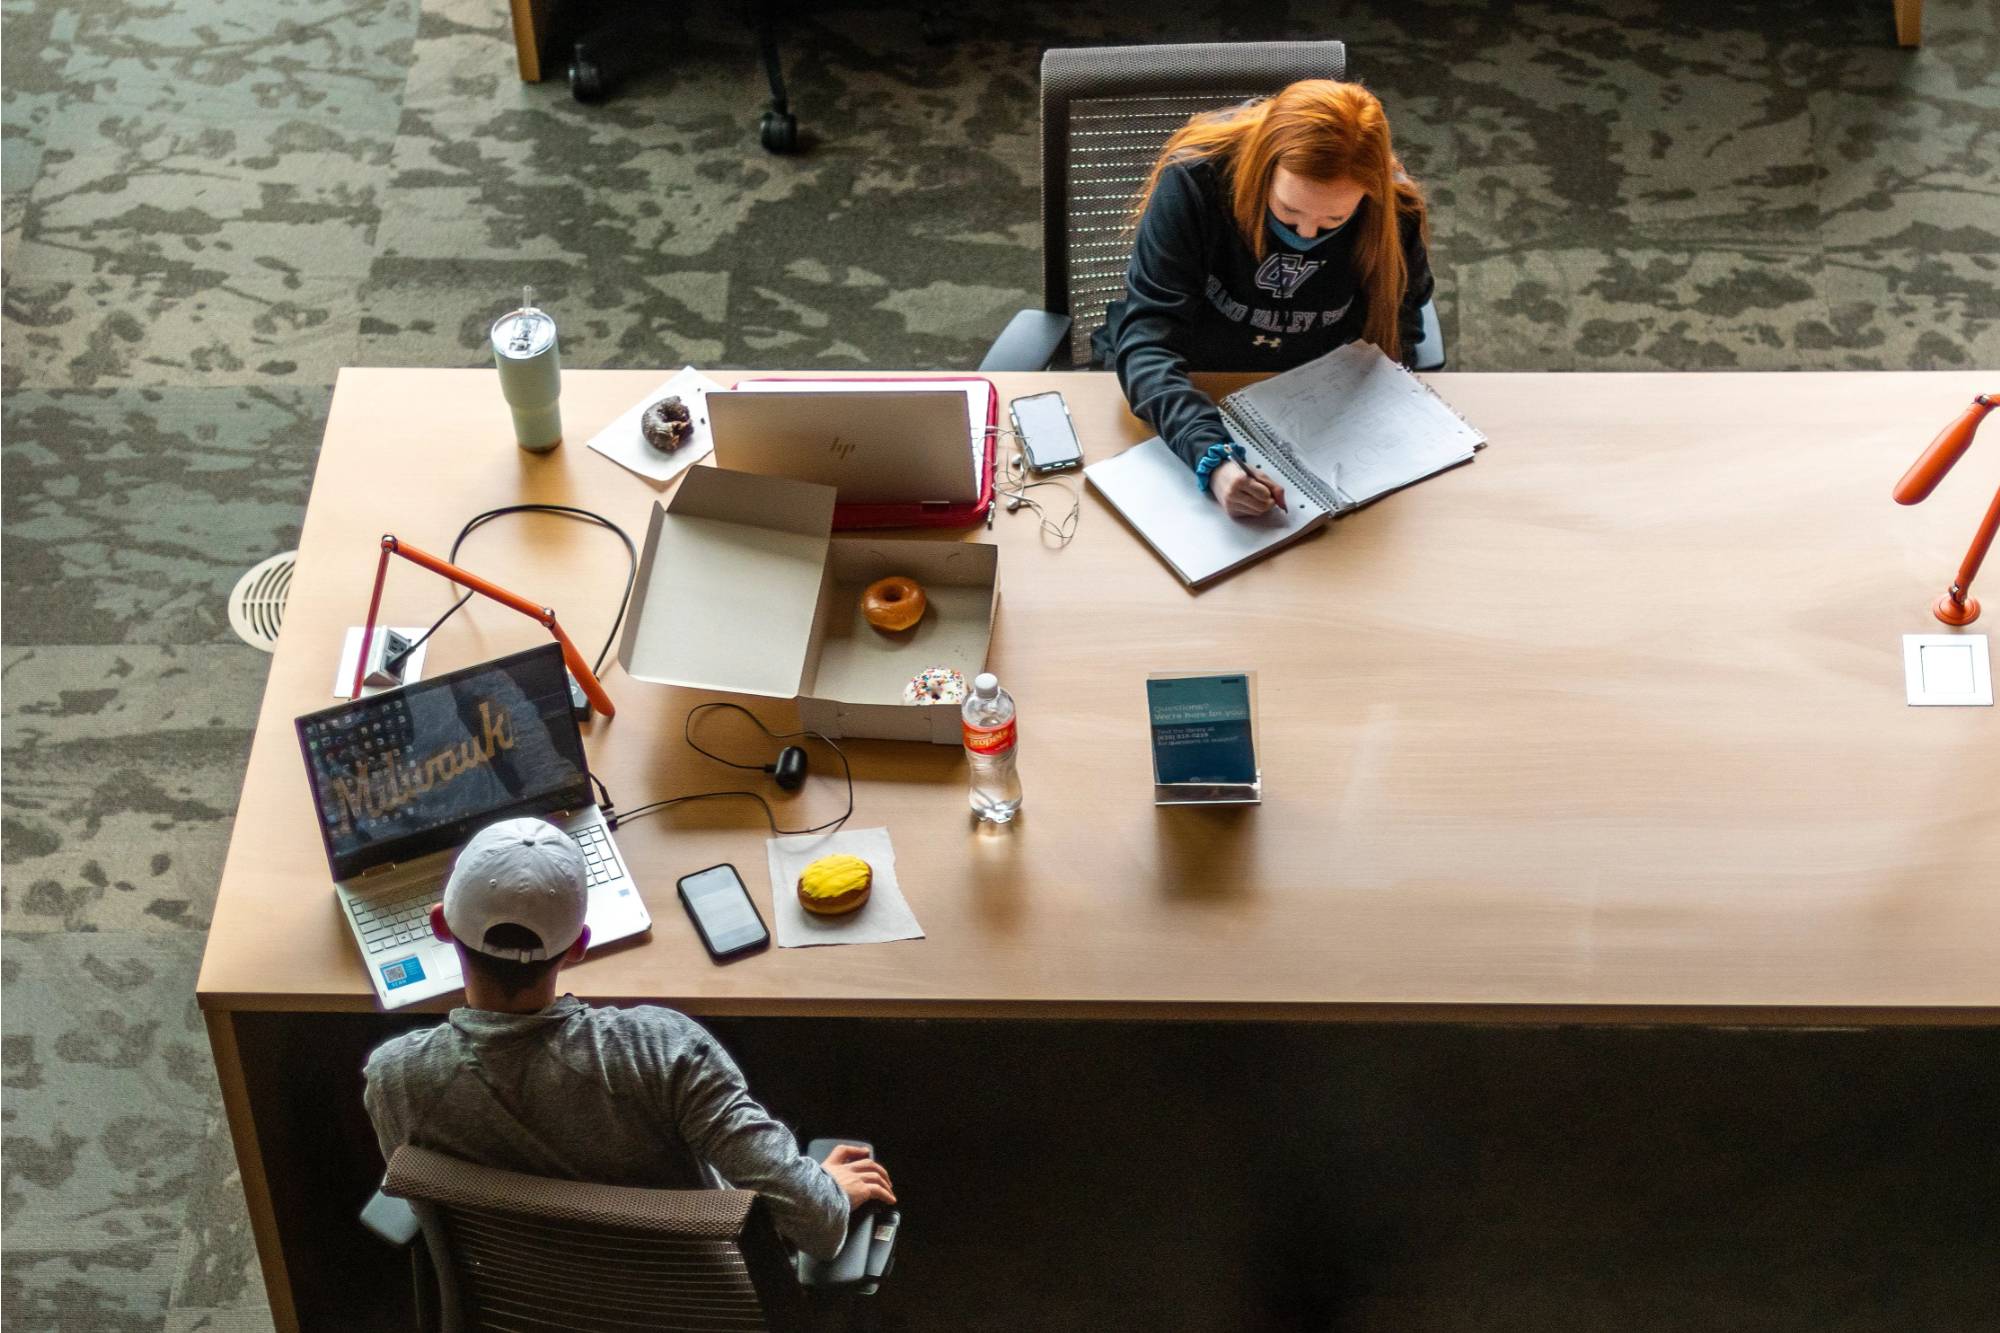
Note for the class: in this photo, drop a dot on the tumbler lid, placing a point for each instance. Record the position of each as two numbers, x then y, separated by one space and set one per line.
527 332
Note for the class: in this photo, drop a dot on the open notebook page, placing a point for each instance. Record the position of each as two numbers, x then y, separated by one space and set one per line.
1360 421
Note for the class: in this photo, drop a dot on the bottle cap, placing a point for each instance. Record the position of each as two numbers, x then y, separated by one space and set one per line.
986 685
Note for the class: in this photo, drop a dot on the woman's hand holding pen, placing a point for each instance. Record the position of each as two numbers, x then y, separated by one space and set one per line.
1245 492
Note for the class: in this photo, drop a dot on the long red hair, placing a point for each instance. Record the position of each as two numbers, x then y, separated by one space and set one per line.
1323 131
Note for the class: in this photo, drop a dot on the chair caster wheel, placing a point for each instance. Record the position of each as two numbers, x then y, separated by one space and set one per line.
780 132
586 80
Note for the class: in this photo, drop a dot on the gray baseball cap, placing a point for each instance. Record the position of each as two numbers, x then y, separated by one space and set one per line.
518 872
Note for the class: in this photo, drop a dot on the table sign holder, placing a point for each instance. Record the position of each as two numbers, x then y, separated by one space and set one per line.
1948 670
1204 732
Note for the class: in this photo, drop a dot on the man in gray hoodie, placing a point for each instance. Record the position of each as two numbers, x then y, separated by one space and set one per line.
521 1080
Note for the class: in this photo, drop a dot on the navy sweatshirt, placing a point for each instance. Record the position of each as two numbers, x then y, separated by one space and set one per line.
1197 299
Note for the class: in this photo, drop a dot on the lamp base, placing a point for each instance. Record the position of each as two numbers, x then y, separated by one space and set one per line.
1954 613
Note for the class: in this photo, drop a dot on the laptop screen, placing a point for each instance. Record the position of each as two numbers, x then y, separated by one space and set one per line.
415 770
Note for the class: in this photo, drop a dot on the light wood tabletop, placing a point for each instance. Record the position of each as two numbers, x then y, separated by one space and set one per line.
1608 724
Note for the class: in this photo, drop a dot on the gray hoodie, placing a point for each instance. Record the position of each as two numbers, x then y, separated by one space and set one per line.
641 1096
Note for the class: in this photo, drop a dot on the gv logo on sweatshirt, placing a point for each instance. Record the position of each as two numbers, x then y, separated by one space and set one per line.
1283 273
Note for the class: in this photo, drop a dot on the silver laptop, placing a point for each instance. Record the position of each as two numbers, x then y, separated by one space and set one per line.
874 446
402 779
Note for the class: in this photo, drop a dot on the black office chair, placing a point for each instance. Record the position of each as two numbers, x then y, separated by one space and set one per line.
604 56
1106 113
504 1250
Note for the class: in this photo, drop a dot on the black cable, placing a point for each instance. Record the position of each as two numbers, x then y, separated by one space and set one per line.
770 816
687 734
478 521
394 664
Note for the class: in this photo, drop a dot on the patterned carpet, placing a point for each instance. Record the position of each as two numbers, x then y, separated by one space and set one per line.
211 206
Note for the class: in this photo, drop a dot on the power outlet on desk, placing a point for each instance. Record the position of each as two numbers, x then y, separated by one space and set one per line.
385 641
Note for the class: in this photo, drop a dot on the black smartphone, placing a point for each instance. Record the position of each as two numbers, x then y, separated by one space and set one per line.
851 1264
722 911
1048 438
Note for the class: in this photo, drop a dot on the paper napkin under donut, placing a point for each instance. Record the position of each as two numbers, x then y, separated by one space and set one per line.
885 916
622 443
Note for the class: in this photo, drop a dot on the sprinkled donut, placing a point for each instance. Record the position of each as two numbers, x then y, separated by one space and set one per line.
935 685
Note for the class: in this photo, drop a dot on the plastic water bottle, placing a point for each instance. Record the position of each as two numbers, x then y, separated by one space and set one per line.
989 750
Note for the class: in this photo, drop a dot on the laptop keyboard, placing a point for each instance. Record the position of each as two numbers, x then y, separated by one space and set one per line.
394 923
597 854
390 923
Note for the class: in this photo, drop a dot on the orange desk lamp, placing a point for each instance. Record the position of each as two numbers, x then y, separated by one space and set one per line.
585 679
1957 606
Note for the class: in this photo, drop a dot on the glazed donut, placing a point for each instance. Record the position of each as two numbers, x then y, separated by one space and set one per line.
894 603
834 885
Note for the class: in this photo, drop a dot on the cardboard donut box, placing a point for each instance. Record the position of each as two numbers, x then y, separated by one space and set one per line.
743 588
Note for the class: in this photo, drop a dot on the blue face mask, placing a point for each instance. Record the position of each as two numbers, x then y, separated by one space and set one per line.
1293 239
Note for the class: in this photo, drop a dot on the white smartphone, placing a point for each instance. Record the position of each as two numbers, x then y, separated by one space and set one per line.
1048 437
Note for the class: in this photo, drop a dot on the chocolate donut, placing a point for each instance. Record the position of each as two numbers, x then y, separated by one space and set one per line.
666 425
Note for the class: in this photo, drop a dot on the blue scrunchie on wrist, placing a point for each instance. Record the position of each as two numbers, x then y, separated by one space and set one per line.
1217 455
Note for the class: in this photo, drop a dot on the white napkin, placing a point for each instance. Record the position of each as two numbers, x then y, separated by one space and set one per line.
622 444
885 916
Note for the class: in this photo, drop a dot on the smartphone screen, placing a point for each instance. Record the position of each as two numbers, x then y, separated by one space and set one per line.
722 911
1047 437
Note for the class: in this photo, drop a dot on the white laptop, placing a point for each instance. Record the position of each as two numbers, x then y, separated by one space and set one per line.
906 445
402 779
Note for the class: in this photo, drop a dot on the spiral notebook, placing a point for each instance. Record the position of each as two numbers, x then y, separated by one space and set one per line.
1340 432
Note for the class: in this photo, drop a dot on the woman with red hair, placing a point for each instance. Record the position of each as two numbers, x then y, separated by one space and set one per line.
1268 235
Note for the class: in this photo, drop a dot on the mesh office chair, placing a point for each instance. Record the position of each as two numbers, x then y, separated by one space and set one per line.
1106 113
513 1251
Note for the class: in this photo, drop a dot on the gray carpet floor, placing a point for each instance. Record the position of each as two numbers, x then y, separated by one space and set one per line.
210 207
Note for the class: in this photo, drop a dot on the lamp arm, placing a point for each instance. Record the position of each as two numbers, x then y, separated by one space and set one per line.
1982 541
586 679
466 579
1957 606
1949 446
374 608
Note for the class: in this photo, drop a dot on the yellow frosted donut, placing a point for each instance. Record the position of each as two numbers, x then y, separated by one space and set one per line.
835 884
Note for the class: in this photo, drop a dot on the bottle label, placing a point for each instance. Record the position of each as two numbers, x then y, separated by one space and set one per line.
990 740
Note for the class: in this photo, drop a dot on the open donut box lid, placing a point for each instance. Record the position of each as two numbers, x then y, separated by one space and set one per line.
743 589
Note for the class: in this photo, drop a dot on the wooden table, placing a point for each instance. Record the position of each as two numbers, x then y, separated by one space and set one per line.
1608 726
